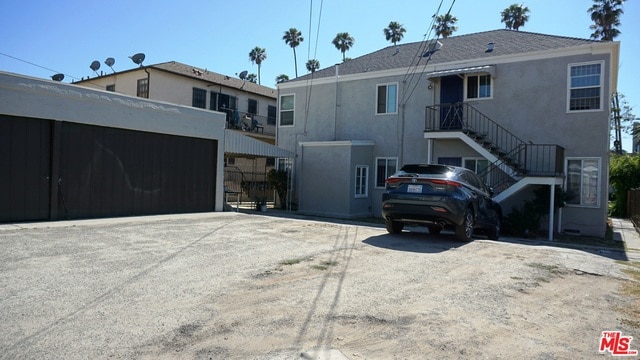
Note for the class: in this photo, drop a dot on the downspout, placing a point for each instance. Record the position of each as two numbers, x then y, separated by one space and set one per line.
148 83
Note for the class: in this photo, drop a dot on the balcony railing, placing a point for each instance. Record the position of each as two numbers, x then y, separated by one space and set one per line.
257 123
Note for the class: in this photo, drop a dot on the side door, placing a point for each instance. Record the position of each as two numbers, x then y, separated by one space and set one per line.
451 97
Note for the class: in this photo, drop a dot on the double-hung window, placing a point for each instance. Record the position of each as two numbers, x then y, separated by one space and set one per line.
142 89
585 87
362 179
385 167
387 99
199 98
287 110
583 181
478 86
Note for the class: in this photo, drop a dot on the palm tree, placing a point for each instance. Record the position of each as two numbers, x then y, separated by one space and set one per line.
445 25
252 78
606 17
515 16
394 33
257 56
281 78
343 42
313 65
293 38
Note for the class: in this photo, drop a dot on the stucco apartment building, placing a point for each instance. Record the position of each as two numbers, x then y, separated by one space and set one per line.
524 110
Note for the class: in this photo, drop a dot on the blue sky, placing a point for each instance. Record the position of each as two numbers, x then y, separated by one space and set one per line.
41 37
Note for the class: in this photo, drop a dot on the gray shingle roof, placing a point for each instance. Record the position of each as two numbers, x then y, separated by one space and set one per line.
454 48
206 75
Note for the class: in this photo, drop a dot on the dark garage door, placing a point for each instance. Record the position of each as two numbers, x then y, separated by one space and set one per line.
100 171
24 168
114 172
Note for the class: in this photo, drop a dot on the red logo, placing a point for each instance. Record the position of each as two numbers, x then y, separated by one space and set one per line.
616 344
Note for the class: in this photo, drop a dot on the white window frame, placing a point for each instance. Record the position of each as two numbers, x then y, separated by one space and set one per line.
600 86
466 85
386 166
581 194
475 169
386 100
282 109
361 186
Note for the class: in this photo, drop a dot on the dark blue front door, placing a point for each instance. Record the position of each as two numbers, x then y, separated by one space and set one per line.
451 96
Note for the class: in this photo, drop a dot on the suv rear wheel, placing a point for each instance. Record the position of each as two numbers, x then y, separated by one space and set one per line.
394 227
464 231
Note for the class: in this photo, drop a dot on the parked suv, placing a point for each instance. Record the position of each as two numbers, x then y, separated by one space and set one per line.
439 197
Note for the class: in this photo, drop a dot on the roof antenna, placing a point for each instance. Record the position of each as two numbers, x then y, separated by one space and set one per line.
137 58
109 62
57 77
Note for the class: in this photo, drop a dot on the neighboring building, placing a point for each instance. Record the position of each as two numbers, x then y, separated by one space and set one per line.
250 109
187 85
522 109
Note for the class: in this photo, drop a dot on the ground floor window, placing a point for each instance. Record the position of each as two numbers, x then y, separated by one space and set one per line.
385 167
479 166
362 179
583 181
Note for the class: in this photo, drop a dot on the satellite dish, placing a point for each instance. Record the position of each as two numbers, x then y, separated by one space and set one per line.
95 65
57 77
137 58
109 62
243 75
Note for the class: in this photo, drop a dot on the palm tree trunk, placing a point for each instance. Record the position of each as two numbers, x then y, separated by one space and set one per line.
295 61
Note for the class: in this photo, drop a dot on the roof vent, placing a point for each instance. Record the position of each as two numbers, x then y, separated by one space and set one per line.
489 47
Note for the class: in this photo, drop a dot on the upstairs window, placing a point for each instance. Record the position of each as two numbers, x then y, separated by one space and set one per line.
478 86
111 87
252 106
271 115
585 89
387 99
286 110
143 88
199 99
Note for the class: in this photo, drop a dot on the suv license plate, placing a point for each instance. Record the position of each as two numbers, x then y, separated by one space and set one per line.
414 189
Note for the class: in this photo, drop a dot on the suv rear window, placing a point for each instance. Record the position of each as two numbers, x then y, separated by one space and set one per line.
425 169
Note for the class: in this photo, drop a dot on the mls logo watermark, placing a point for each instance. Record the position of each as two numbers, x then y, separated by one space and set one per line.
617 344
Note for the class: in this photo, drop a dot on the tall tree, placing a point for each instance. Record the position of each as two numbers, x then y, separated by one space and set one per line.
293 38
252 78
515 16
394 32
281 78
257 56
343 42
445 25
313 65
606 17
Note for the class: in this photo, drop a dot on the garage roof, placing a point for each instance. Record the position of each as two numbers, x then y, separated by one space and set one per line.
245 146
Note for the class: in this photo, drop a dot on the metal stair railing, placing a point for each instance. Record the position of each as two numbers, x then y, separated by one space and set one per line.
516 158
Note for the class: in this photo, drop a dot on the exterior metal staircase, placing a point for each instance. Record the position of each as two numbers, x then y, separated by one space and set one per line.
514 163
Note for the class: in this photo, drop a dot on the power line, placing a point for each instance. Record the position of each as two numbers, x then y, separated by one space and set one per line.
36 65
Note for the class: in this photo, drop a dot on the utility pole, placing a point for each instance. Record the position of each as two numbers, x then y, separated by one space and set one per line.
615 112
